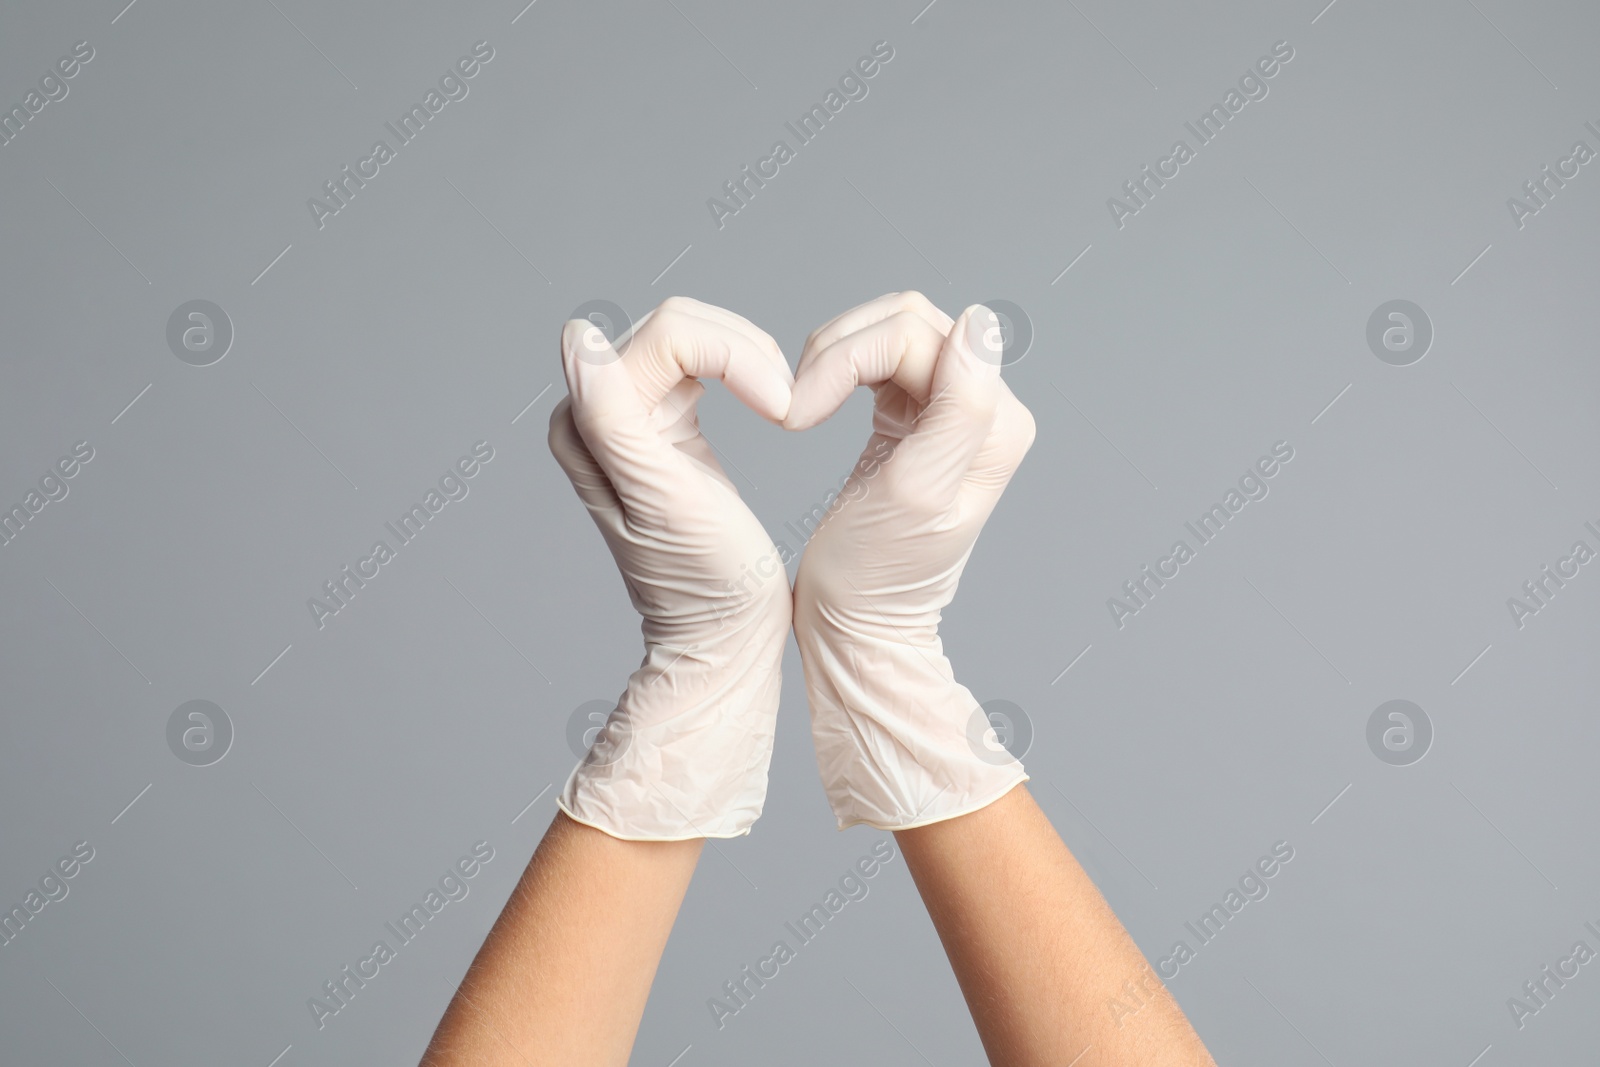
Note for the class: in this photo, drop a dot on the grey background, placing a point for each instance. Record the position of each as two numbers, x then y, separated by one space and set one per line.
1226 316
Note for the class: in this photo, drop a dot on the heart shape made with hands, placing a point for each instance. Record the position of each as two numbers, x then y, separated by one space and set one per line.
899 742
890 344
908 351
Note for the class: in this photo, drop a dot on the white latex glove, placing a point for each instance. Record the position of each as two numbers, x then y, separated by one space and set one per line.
685 753
900 743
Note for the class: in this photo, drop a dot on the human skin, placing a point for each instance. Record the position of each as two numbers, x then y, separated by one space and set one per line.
1047 970
563 977
1038 953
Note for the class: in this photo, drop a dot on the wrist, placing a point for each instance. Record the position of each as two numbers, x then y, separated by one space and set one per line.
899 742
685 754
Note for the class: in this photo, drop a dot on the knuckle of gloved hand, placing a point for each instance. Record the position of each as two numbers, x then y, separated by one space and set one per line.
811 338
655 335
908 328
932 313
670 320
913 300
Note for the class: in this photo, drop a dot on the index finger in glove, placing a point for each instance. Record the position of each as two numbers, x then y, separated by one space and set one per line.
900 348
864 315
685 338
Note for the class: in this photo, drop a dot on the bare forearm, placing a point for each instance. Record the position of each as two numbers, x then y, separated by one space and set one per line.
1037 951
564 974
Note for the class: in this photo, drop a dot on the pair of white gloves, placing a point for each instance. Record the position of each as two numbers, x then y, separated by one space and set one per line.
900 743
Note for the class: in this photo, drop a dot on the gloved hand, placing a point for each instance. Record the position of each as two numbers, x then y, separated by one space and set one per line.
900 743
685 753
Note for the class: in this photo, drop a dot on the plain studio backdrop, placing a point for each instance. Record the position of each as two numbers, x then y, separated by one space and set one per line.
1441 460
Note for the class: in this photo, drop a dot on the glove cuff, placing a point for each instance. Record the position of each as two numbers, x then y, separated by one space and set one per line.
699 772
900 743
